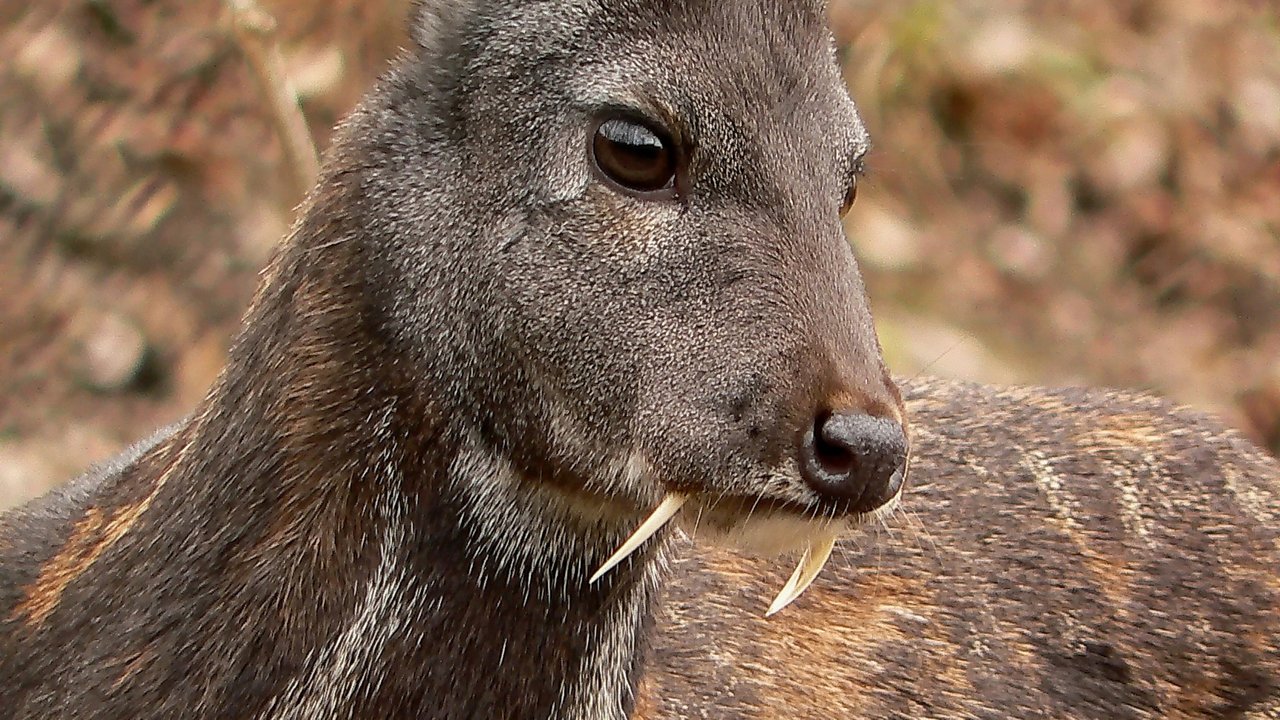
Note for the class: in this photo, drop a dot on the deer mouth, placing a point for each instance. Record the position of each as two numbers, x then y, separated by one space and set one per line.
763 525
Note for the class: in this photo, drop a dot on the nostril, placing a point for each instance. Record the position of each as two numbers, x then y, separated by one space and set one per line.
855 458
833 457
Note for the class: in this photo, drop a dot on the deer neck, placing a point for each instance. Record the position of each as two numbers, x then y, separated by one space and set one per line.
420 573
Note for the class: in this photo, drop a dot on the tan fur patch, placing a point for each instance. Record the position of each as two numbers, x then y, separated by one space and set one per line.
1113 574
647 707
846 400
92 536
1122 431
833 626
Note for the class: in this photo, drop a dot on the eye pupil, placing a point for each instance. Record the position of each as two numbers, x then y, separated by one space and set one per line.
634 156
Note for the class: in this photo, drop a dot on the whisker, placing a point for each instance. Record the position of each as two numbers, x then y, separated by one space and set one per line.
924 533
697 519
759 498
910 531
850 560
927 366
884 524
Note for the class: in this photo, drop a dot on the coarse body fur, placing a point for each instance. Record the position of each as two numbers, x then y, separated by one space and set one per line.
1061 554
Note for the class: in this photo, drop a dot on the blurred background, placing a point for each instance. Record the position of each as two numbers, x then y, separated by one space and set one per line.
1062 192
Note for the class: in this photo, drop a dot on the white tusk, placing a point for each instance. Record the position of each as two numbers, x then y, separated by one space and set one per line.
666 510
811 563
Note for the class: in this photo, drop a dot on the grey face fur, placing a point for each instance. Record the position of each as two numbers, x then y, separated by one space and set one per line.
618 348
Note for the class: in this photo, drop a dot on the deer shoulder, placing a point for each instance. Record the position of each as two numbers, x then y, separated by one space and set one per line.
1061 553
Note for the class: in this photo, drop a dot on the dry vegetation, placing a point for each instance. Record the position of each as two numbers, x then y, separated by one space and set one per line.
1069 191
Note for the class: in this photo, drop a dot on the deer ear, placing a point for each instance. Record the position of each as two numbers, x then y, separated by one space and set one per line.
433 20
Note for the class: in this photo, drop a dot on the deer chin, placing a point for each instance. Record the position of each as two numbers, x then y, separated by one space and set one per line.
765 533
770 531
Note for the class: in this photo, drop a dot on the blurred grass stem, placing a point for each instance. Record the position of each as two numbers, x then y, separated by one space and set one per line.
255 32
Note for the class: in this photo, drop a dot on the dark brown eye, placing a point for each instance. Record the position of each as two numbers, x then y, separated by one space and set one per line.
634 156
849 198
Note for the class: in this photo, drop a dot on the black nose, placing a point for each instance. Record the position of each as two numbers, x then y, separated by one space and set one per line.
854 458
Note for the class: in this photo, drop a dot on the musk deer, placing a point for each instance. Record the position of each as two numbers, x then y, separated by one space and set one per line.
574 270
569 262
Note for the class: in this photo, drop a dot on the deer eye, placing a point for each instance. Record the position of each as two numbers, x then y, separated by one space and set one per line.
849 198
634 156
